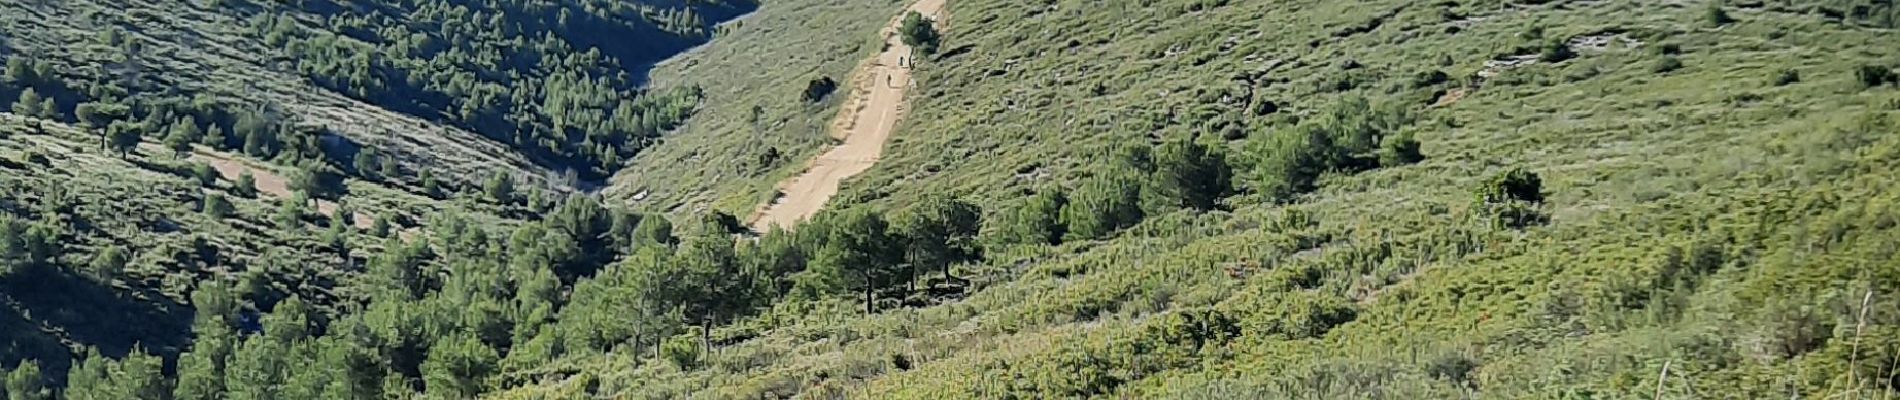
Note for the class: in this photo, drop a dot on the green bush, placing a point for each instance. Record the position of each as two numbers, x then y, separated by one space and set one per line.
216 206
1556 51
1716 16
1666 64
1038 220
682 350
918 32
1516 184
1188 174
1874 75
1400 149
1102 205
1787 77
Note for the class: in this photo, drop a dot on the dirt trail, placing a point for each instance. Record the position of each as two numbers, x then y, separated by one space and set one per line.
867 120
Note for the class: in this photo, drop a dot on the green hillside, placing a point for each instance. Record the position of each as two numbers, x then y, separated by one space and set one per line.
1126 199
1714 195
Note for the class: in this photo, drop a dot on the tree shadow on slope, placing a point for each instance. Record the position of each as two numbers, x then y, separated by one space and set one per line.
84 311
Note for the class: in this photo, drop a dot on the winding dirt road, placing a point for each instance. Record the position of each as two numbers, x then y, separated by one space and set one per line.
867 120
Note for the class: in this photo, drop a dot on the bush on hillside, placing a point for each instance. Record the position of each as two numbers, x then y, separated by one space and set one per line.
1556 51
1516 184
1716 16
1188 174
1101 206
1666 64
1874 75
1787 77
818 89
919 33
1511 198
1400 149
1037 221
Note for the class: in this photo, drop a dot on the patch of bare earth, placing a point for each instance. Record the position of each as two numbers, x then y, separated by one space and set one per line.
271 184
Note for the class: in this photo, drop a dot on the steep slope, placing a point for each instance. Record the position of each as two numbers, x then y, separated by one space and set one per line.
871 112
1607 189
176 224
755 126
522 87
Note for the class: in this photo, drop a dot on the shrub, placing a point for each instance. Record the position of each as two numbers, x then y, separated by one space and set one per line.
1556 51
818 88
1716 15
1666 64
1101 206
1037 221
1401 149
1874 75
919 33
217 207
1516 184
682 350
205 175
1787 77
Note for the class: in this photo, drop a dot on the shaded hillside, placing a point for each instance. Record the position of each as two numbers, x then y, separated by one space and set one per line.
523 87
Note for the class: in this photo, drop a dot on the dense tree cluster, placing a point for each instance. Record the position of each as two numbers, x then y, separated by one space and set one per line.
445 314
553 79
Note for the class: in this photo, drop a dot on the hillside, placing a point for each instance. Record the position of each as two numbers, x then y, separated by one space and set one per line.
756 125
1198 199
1712 195
526 88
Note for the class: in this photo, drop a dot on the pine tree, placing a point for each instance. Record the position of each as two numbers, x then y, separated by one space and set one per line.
290 213
214 137
1037 221
201 372
500 188
109 263
178 143
216 206
245 186
140 376
289 322
939 231
366 164
430 187
206 176
457 367
28 104
1101 206
124 137
654 230
1188 174
387 168
49 109
25 382
89 378
19 71
859 256
256 370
